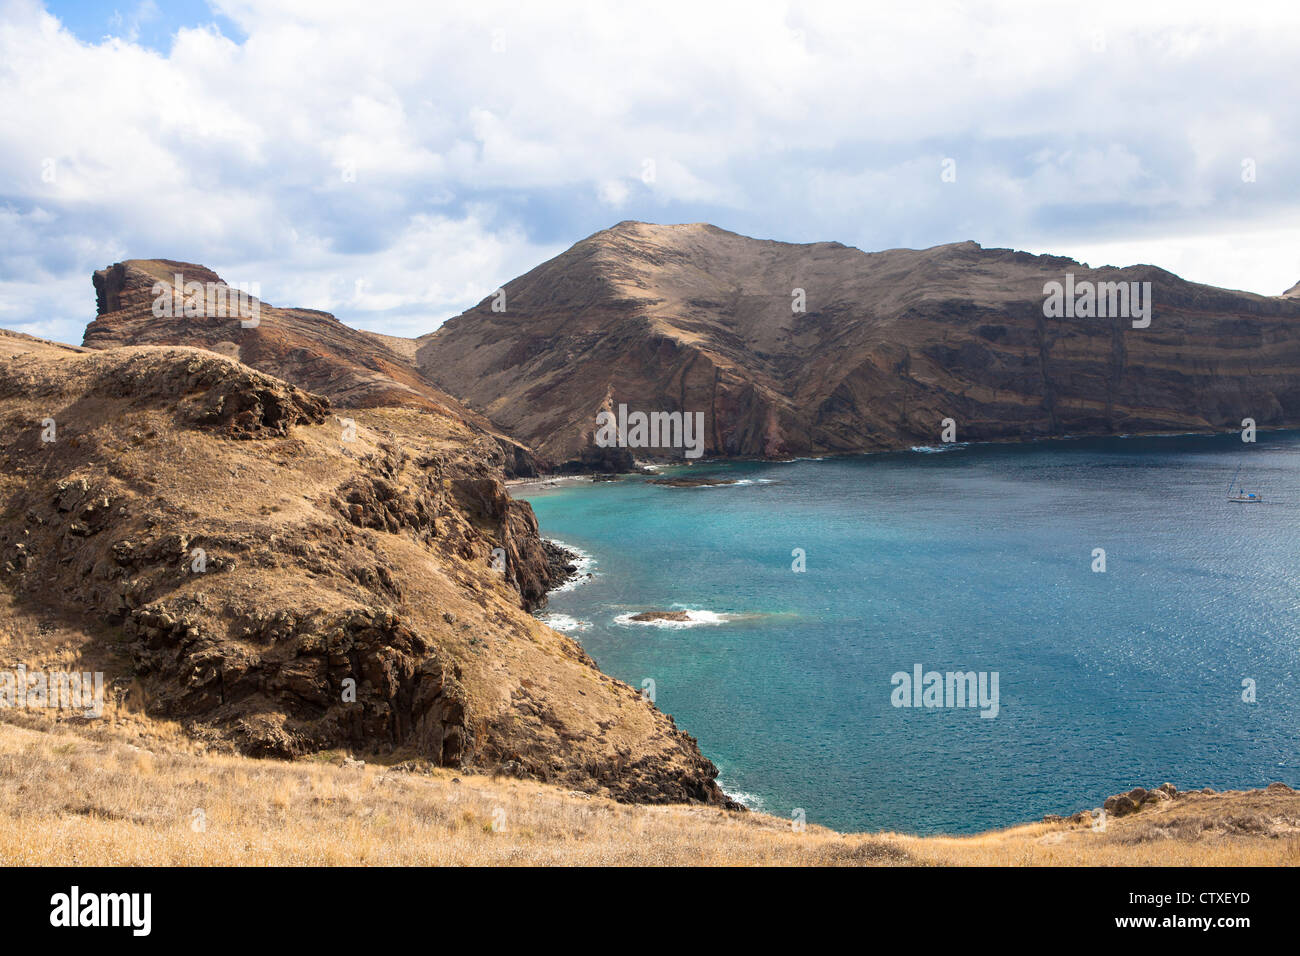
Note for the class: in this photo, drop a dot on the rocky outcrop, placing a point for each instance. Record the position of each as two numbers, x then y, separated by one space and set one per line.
305 347
692 318
281 585
1125 803
599 461
362 679
1139 798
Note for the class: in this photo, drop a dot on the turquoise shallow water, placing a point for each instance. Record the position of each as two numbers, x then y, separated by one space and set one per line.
975 558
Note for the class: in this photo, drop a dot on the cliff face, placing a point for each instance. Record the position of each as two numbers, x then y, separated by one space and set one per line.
310 349
244 563
693 318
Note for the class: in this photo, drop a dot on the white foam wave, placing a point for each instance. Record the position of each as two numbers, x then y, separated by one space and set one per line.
583 561
935 449
563 622
751 800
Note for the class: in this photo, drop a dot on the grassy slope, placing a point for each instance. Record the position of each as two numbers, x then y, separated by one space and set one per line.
124 790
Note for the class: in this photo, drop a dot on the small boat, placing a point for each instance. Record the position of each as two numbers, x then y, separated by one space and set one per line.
1242 496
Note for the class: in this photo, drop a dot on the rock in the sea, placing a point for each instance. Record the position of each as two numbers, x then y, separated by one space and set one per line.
660 616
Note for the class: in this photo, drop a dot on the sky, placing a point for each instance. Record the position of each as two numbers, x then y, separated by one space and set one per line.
395 162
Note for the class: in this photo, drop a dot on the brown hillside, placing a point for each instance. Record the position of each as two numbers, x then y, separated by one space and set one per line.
324 560
694 318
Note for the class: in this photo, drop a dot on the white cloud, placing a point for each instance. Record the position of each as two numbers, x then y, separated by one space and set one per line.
613 192
1229 258
438 152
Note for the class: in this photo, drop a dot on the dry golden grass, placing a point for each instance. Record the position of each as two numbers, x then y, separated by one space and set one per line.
84 795
67 799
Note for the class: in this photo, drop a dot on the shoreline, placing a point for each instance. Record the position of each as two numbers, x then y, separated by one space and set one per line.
571 562
552 481
544 481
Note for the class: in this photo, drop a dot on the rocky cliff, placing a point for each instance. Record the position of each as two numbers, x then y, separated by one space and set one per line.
307 348
280 581
888 344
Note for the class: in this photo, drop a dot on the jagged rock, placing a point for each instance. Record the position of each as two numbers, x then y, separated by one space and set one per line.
376 502
603 462
1120 805
1126 803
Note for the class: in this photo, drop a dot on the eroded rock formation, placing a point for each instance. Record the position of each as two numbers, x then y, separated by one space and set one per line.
305 347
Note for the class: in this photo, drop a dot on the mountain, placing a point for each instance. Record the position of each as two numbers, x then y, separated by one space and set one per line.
310 349
693 318
240 563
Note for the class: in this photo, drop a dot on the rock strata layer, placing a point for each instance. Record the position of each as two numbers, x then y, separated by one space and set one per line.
791 350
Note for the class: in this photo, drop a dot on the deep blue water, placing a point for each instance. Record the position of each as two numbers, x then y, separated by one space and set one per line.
976 558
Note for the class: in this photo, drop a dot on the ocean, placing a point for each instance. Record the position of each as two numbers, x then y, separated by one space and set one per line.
1177 662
